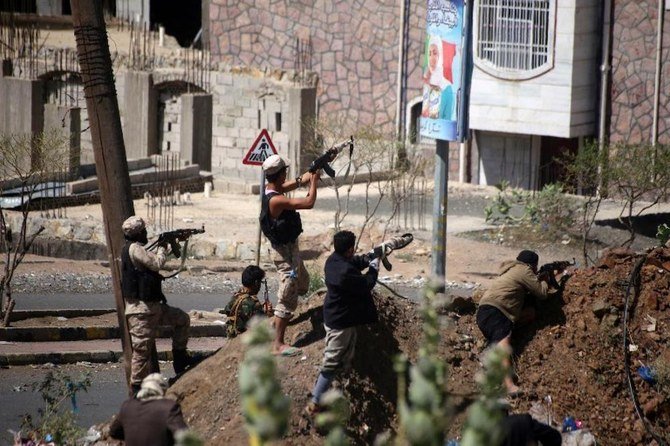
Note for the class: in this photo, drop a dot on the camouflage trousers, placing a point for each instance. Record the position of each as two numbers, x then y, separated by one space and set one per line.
143 319
293 278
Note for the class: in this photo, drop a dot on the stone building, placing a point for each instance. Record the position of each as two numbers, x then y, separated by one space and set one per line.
536 89
537 84
633 106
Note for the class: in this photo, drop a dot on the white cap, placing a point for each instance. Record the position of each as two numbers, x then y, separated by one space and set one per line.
273 164
133 225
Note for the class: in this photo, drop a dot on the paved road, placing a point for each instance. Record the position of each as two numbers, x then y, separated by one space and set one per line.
102 400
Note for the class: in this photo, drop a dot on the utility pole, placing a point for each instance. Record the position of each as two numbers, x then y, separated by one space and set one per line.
111 165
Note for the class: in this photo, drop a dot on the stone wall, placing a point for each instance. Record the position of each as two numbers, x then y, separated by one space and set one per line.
633 73
354 48
85 240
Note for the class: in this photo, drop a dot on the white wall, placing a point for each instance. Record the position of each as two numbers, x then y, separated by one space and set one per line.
560 102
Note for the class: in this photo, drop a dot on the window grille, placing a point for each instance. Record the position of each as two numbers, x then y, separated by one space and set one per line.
514 39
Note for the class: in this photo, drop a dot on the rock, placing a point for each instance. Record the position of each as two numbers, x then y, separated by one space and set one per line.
600 308
225 249
459 304
202 249
651 406
83 233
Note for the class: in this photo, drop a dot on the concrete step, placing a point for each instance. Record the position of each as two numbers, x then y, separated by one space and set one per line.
108 350
90 333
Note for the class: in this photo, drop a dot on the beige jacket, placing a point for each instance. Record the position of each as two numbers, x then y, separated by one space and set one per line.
508 291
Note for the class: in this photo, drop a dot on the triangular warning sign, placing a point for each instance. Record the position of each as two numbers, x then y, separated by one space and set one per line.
261 149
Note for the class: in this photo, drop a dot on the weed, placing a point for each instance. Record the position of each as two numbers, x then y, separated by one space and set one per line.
316 281
56 423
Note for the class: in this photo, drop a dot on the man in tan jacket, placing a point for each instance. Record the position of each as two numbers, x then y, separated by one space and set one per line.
503 303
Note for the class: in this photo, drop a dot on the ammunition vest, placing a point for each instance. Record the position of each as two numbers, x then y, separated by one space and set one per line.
285 228
139 284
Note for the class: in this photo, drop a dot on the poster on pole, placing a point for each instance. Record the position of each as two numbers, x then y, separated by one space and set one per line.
442 63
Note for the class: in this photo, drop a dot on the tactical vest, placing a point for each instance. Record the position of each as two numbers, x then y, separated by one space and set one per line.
138 284
284 229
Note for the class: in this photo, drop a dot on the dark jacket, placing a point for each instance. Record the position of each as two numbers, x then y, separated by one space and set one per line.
348 302
148 422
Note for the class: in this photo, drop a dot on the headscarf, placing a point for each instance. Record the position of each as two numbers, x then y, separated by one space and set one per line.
437 75
153 387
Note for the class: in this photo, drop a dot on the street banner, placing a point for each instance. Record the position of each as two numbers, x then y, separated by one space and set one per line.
442 69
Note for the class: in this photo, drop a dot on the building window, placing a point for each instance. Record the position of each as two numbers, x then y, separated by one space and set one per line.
514 39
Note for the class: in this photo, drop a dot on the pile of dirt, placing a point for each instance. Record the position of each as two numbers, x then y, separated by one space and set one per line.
209 394
573 352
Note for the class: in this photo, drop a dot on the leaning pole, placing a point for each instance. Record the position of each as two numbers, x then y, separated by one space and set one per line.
111 165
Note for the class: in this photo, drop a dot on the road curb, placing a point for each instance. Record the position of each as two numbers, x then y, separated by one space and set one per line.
58 334
94 356
19 315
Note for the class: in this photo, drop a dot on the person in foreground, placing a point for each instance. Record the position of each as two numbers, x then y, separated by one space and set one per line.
149 418
505 303
348 304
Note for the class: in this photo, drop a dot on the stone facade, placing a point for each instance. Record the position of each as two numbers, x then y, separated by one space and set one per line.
633 73
354 48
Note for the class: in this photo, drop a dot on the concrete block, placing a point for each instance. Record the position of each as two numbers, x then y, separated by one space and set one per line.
246 252
225 249
65 230
202 249
83 233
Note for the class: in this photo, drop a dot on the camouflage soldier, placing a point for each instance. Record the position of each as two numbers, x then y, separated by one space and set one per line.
245 303
282 225
146 306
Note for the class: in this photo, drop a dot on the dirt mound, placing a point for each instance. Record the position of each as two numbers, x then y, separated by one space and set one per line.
209 394
575 353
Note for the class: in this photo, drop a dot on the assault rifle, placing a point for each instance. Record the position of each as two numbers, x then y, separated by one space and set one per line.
173 238
549 271
323 161
382 250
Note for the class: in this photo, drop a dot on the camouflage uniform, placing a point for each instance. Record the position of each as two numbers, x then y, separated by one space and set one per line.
144 317
293 278
240 310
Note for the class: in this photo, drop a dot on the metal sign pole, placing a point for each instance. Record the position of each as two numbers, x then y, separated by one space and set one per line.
261 192
440 197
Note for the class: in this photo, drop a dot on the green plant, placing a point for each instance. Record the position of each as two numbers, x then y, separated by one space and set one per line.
57 423
482 426
662 369
586 171
316 281
423 408
265 407
549 209
187 437
663 233
640 174
334 418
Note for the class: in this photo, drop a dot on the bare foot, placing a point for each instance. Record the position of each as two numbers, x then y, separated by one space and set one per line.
285 350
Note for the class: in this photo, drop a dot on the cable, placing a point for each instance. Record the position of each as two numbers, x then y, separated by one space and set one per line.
634 278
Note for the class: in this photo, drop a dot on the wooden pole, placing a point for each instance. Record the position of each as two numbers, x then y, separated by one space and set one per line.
111 165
